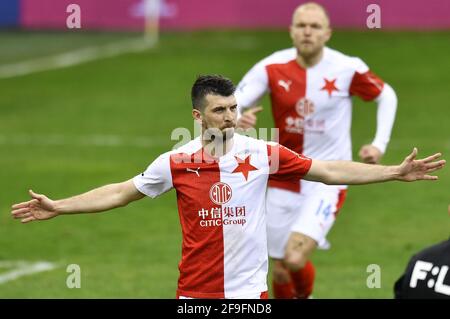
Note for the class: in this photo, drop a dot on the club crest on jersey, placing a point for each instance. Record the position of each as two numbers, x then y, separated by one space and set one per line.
220 193
304 107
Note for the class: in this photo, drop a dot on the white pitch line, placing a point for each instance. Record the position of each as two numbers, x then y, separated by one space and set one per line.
23 268
74 57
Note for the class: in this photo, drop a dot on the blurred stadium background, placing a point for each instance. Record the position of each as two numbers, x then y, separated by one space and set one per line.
66 130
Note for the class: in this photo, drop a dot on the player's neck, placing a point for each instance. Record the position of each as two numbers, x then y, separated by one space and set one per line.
217 148
307 62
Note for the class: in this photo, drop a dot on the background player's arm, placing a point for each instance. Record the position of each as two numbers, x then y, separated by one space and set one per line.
369 87
347 172
249 118
107 197
386 109
249 91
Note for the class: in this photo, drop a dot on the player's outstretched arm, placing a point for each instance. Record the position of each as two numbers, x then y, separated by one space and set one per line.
107 197
346 172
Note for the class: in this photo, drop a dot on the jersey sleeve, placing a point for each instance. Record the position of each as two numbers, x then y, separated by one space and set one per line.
285 164
157 178
365 84
252 86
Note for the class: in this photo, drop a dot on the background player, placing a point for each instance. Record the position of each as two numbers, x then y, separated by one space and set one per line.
310 88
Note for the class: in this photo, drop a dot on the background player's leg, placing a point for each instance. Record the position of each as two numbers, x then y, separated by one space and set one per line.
283 287
308 232
282 210
298 251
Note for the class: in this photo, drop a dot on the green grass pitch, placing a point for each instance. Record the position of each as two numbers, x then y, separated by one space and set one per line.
65 131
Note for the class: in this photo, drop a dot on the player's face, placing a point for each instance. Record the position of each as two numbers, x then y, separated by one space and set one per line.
220 113
310 31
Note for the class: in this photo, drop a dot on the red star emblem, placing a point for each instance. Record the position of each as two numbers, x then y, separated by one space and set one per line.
329 86
244 166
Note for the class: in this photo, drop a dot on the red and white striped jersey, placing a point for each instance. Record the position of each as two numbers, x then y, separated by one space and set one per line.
311 107
221 205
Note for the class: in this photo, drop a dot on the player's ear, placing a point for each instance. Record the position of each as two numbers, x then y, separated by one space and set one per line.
329 32
291 32
197 115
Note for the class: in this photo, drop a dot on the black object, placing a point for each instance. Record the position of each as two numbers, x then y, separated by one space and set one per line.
427 274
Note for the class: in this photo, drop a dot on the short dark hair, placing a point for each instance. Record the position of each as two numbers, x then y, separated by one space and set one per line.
210 84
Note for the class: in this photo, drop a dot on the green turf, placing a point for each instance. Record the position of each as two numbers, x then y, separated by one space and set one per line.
50 122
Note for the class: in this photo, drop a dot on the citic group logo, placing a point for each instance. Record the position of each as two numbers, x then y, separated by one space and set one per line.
304 107
220 193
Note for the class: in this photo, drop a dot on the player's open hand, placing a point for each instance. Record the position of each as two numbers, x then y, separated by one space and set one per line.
248 118
370 154
40 207
412 169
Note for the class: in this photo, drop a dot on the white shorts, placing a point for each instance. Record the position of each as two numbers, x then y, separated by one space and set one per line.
312 215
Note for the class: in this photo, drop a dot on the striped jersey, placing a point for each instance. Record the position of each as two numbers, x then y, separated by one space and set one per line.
311 107
221 206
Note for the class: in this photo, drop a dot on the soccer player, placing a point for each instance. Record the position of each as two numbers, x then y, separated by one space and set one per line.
221 179
311 87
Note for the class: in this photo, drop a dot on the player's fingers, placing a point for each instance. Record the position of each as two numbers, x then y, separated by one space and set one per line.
412 156
430 177
21 205
28 219
432 158
250 116
429 170
370 160
20 211
35 196
22 215
247 120
438 164
256 109
376 160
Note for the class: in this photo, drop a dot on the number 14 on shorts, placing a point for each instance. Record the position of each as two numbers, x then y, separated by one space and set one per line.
323 209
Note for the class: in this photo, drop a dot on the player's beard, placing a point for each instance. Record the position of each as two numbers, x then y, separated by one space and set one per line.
308 51
227 134
217 135
218 139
